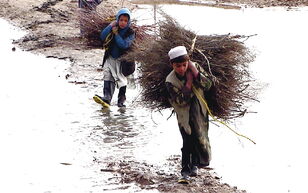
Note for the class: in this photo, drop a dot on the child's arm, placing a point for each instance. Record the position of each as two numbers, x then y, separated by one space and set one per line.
192 68
124 43
203 80
107 30
180 96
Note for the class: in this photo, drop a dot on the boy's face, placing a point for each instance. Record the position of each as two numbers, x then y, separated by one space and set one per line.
123 21
180 68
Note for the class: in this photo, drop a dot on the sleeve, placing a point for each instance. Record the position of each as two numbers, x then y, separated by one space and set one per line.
203 79
105 32
181 97
124 43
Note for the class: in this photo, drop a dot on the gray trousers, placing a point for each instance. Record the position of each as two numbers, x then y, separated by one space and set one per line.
113 72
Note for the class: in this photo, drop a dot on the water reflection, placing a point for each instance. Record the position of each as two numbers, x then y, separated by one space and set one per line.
122 129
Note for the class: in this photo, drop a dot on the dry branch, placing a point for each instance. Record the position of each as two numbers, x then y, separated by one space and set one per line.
224 57
93 22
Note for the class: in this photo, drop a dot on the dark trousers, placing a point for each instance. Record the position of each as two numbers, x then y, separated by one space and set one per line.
121 95
109 87
108 90
189 151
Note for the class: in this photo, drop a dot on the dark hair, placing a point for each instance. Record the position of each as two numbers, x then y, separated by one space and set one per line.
124 14
180 59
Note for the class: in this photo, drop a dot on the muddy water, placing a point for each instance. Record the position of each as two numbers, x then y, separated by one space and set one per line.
38 112
54 138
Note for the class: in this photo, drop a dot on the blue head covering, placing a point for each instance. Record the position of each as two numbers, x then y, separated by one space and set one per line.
121 12
121 42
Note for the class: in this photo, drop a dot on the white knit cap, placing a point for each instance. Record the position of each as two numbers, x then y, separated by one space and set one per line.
177 51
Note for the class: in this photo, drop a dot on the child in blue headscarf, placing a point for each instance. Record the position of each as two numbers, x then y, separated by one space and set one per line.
118 38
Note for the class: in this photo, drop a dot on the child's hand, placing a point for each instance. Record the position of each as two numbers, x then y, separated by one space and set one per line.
113 24
189 79
115 30
193 69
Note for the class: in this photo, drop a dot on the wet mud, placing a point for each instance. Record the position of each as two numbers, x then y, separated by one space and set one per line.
115 142
52 29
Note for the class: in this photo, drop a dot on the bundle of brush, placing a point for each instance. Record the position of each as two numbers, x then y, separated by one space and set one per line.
91 24
94 21
224 57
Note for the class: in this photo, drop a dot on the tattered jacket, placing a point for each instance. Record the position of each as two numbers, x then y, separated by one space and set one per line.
181 101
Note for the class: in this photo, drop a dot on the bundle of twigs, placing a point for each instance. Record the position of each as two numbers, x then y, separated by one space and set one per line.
224 57
92 22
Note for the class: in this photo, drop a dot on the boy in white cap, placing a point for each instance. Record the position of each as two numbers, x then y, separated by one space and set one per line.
191 113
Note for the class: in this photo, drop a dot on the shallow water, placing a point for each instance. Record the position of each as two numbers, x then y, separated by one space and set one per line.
54 138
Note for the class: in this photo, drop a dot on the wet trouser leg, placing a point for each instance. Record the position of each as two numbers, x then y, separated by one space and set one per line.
187 150
108 90
201 154
121 96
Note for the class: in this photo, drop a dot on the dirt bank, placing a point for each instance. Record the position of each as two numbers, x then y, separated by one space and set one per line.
50 28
